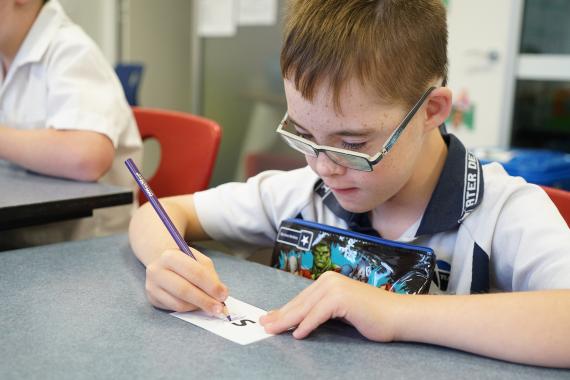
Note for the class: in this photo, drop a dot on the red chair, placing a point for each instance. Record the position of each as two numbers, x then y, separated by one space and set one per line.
561 199
188 144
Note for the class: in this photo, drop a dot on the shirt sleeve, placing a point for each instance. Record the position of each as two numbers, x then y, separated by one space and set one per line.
83 90
532 243
249 214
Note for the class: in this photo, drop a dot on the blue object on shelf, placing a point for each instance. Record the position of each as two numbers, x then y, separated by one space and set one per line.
130 76
539 166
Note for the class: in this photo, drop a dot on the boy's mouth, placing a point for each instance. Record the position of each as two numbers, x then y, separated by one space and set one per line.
344 191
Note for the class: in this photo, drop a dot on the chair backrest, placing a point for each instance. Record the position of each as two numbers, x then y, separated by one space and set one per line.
130 76
561 199
189 146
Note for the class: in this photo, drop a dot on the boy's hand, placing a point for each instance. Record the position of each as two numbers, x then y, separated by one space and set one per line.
177 282
371 310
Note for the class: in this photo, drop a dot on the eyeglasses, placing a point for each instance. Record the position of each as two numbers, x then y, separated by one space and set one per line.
343 157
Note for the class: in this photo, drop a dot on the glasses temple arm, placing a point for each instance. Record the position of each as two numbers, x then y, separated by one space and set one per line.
398 131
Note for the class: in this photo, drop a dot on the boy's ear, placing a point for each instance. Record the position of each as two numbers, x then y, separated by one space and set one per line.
438 107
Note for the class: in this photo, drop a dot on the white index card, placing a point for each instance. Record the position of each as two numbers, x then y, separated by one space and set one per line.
244 328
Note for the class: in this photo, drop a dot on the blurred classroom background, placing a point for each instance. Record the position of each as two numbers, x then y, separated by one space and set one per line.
509 70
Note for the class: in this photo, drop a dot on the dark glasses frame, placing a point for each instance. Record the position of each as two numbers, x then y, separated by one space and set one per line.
344 157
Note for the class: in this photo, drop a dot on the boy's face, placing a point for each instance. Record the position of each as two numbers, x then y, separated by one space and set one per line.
364 126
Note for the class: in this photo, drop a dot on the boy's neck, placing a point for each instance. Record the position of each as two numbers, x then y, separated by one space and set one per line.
396 215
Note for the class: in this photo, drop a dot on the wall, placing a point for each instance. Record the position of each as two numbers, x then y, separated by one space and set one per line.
482 70
157 33
241 81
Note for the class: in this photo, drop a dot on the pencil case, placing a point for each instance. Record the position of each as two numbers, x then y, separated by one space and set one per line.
309 249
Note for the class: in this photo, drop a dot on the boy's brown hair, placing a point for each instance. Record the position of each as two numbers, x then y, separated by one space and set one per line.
394 47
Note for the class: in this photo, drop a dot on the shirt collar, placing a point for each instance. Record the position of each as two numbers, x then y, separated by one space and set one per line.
38 39
458 192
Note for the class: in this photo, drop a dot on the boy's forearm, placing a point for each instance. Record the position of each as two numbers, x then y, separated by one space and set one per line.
526 327
148 235
78 155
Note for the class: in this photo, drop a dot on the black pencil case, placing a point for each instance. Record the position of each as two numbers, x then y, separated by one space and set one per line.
309 249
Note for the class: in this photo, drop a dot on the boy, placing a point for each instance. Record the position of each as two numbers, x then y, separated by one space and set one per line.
361 76
62 111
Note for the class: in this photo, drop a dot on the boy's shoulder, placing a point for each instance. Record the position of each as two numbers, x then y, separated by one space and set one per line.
281 189
296 178
54 36
501 188
275 188
69 38
252 211
510 201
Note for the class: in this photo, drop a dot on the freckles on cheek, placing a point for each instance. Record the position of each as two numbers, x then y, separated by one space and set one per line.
386 165
311 161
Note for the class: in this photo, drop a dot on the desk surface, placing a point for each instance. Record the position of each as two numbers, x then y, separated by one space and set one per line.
78 310
28 199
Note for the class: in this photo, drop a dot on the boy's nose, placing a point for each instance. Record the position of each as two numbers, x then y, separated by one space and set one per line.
326 167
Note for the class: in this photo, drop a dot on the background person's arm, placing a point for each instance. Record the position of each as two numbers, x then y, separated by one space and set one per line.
74 154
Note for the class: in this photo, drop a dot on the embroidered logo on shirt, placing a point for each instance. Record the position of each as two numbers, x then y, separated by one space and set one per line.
471 187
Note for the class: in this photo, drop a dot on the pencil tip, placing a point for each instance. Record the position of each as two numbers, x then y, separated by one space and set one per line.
229 318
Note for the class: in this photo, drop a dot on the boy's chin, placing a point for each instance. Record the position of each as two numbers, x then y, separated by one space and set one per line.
354 206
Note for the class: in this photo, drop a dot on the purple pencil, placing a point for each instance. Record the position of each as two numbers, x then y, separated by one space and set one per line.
144 186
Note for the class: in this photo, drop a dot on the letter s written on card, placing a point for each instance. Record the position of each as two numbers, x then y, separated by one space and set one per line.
244 327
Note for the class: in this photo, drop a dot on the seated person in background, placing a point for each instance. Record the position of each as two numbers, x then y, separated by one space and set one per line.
62 110
365 80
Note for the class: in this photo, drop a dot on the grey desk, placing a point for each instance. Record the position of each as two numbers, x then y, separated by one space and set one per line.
78 310
28 199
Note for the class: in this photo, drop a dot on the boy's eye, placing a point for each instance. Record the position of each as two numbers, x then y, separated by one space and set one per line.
343 144
353 146
305 136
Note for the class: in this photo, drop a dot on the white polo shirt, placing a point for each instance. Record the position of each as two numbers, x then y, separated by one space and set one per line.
489 231
60 79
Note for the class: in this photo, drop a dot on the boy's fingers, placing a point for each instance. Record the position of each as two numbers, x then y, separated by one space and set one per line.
304 300
289 315
202 259
298 308
283 322
163 300
318 315
269 317
179 288
195 272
